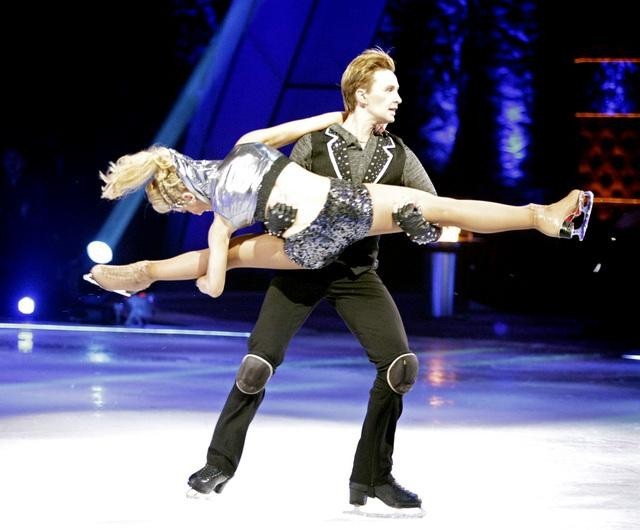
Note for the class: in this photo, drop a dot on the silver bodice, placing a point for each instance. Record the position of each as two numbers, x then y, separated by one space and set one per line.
230 185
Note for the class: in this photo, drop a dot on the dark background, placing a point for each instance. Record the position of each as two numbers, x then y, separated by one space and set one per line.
83 85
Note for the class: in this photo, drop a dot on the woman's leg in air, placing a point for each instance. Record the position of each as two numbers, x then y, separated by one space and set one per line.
248 251
554 220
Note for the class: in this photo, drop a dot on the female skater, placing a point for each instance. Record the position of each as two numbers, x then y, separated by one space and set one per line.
314 217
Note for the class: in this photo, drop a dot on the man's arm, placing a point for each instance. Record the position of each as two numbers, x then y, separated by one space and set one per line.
409 217
288 132
415 175
301 152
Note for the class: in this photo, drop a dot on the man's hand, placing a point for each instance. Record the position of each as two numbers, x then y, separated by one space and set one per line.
279 218
409 218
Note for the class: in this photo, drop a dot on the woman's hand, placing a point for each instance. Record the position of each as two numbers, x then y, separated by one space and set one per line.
202 283
379 128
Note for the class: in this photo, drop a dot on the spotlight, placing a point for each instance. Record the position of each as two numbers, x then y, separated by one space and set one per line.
99 252
26 305
450 234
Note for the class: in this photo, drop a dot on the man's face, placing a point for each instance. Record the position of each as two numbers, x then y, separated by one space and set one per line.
383 98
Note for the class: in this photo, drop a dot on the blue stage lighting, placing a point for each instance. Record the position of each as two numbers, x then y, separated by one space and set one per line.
211 71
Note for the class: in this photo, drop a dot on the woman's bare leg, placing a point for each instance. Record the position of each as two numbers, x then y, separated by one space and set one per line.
480 216
259 252
247 251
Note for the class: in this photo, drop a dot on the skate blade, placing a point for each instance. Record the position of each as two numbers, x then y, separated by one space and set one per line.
382 511
586 205
87 277
196 495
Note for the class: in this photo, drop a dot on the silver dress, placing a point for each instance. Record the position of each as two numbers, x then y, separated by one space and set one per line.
238 188
232 186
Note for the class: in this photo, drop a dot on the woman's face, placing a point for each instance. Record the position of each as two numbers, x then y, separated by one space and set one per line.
189 204
197 207
383 98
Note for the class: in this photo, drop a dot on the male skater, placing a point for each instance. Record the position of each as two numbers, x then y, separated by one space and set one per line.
360 150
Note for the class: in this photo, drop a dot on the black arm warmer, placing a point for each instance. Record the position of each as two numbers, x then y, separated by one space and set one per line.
279 218
409 218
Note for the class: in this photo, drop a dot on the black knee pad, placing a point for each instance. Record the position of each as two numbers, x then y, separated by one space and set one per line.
253 374
402 373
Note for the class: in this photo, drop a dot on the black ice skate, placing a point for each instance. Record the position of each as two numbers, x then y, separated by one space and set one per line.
399 501
206 480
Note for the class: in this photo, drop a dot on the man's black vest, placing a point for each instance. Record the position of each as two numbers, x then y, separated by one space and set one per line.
328 158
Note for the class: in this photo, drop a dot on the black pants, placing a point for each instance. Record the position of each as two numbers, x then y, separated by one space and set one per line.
363 302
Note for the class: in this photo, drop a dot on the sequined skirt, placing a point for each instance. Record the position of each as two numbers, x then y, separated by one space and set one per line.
345 218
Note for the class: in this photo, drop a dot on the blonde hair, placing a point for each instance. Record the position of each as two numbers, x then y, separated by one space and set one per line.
152 168
359 74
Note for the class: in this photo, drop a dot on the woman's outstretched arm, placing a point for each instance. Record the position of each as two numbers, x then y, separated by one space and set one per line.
290 131
260 252
256 252
212 282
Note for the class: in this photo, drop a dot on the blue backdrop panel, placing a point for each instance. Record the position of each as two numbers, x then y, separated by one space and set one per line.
240 98
302 101
338 31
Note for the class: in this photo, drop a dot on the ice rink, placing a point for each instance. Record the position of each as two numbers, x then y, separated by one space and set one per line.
100 427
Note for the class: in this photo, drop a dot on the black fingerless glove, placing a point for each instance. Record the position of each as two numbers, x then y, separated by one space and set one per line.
409 218
279 218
